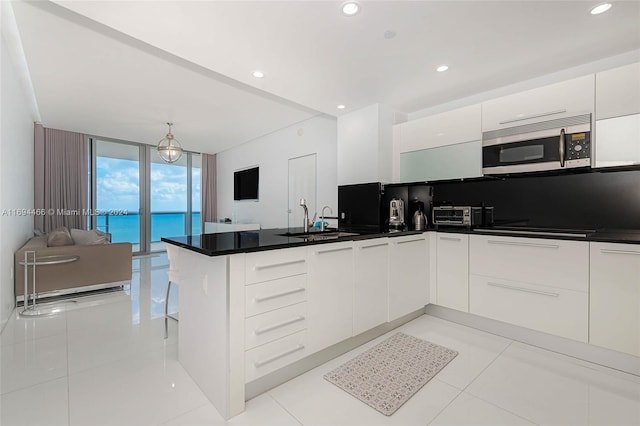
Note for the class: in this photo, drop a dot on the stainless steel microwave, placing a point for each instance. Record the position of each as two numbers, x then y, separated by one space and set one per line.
550 145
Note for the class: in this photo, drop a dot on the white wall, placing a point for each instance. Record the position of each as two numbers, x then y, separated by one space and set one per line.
16 174
272 153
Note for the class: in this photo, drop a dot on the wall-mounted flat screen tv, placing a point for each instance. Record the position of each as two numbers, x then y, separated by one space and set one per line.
245 184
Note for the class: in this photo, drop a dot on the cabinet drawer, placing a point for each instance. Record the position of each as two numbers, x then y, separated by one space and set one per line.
551 310
277 354
554 263
264 297
273 325
270 265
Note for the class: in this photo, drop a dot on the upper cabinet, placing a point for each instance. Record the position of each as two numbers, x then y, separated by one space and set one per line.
618 116
441 146
618 92
447 128
565 99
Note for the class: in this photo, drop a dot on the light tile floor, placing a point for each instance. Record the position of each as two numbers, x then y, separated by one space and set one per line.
105 362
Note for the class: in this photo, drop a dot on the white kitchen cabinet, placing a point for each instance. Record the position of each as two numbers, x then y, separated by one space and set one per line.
330 294
618 92
543 308
458 161
557 263
447 128
564 99
408 274
440 146
452 271
542 284
371 290
617 132
618 141
614 315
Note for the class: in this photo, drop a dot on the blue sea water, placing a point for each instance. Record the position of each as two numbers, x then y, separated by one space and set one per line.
126 228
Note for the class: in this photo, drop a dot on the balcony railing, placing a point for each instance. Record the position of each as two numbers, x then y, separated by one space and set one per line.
126 228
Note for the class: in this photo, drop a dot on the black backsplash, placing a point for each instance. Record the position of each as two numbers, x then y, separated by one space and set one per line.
592 200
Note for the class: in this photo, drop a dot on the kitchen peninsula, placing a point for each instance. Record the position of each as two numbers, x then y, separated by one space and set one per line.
254 304
260 307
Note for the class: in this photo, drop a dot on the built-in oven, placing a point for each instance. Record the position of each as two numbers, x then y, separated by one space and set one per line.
550 145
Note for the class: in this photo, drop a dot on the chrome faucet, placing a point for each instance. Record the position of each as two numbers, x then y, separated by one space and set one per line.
322 217
303 204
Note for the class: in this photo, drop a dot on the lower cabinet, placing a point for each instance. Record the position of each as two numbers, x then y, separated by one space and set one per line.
548 309
371 289
541 284
408 274
452 271
330 294
614 321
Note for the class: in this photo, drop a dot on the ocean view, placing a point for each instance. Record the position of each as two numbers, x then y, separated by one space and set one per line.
126 228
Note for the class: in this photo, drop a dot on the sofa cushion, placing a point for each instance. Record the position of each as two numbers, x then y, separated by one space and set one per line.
83 237
59 237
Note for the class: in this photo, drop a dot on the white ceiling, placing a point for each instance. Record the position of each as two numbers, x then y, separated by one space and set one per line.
121 69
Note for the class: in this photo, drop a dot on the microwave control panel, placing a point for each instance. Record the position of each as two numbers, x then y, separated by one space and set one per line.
578 146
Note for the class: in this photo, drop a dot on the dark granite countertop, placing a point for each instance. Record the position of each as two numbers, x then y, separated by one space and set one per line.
624 236
267 239
270 239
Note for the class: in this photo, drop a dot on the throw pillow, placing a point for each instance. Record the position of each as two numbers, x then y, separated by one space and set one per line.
59 237
83 237
107 236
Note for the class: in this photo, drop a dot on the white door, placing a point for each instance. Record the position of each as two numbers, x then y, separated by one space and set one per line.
302 184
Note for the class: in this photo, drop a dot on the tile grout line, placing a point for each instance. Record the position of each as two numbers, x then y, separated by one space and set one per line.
488 365
284 408
489 402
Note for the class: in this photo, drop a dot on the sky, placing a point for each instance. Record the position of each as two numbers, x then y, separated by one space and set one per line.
118 186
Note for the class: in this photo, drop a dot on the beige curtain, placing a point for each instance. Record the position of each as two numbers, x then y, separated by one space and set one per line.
61 179
209 196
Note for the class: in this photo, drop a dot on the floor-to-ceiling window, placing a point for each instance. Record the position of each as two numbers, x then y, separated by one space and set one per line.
139 198
116 191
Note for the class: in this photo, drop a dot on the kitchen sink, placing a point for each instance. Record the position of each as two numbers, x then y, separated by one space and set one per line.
317 236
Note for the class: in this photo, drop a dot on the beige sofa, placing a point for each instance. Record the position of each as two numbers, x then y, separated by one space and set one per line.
98 266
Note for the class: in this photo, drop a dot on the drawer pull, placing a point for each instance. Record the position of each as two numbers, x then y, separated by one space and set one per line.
527 117
450 239
373 245
278 325
409 241
637 253
528 290
273 265
333 250
513 243
259 364
276 295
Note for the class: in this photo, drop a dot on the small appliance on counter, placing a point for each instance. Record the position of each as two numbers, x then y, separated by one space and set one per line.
361 207
396 215
419 220
467 216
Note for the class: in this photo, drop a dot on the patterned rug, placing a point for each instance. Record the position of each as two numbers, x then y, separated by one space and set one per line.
387 375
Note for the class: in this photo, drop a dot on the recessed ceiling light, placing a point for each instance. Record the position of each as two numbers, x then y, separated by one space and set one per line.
340 107
257 74
442 68
389 34
350 8
601 8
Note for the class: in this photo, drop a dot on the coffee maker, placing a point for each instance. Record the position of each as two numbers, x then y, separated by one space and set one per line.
396 215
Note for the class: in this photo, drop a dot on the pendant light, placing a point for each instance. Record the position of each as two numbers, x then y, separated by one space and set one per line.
169 148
